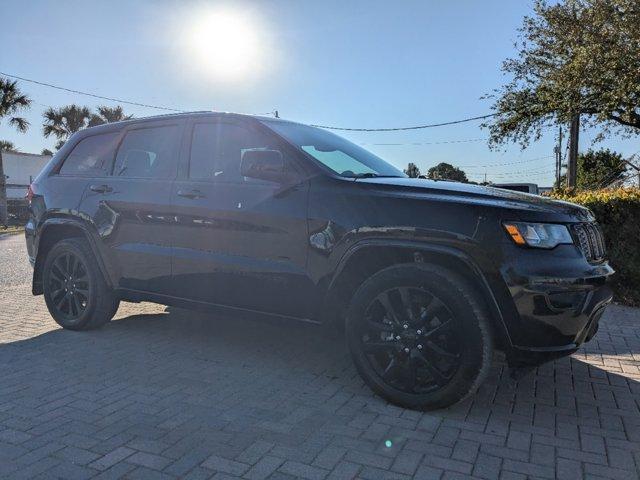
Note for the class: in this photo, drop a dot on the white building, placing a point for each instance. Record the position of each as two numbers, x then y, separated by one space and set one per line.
20 169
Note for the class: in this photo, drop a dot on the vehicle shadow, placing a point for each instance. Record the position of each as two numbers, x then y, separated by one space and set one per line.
278 360
187 380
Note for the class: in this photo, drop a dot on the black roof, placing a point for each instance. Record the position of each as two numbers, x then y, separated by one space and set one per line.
203 113
108 127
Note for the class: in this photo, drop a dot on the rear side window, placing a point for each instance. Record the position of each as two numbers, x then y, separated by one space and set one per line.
92 156
149 153
217 148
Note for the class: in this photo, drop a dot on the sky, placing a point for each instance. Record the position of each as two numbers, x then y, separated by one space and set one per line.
363 64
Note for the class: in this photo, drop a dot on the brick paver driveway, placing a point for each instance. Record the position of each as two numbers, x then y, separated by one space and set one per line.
165 393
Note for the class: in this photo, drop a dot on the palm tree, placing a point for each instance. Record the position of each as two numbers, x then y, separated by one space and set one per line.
7 146
12 102
65 121
108 115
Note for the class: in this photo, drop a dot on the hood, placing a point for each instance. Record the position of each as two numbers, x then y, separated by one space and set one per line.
478 194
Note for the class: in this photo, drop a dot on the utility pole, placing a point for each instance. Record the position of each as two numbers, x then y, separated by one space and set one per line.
558 152
572 167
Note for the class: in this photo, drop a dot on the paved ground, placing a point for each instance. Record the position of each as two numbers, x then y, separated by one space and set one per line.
165 394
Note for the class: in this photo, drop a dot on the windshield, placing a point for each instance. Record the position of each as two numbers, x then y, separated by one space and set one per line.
343 157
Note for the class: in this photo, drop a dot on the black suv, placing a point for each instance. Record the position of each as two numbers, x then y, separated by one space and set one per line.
272 218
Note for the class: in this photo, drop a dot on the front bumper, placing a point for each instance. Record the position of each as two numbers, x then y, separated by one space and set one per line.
558 301
559 330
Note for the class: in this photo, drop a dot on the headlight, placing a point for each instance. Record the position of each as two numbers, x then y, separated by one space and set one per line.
539 235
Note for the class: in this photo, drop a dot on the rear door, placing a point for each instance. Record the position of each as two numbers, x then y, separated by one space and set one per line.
239 241
89 158
131 206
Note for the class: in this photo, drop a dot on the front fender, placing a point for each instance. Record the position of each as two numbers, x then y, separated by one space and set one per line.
488 284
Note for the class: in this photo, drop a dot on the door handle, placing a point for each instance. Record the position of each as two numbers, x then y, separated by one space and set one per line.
100 188
191 194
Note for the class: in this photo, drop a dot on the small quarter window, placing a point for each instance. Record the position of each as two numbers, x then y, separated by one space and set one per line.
149 153
92 156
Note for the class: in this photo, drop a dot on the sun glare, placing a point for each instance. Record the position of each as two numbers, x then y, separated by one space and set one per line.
224 44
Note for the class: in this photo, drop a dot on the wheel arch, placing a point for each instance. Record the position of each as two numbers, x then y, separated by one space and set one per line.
51 232
368 257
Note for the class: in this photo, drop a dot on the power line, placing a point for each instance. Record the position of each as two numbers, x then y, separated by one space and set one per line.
397 129
70 90
611 178
455 122
514 174
505 164
507 175
428 143
531 170
147 105
517 172
275 113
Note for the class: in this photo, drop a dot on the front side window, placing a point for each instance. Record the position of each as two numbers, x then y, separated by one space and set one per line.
149 153
92 156
217 149
338 154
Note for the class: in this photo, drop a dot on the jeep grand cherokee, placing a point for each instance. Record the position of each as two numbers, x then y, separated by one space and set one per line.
267 217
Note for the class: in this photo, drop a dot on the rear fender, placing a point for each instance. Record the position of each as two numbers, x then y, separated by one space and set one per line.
54 229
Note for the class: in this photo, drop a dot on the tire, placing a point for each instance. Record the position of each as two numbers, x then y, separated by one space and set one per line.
420 336
75 291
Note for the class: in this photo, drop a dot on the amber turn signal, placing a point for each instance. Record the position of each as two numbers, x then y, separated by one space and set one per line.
515 233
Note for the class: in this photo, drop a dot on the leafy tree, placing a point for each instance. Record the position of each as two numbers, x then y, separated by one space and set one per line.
46 151
12 103
65 121
108 115
446 171
597 169
412 170
7 146
574 57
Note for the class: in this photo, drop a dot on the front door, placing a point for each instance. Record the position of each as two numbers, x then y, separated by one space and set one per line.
238 241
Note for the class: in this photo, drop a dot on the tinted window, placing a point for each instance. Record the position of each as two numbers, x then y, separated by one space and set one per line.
217 148
149 153
340 155
92 156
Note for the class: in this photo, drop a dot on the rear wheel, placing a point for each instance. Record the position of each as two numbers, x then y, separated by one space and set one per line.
419 336
75 291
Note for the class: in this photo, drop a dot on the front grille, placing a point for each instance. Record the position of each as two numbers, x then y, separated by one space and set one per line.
590 240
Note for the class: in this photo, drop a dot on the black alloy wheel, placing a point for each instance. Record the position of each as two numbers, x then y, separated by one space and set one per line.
411 339
75 291
70 285
420 335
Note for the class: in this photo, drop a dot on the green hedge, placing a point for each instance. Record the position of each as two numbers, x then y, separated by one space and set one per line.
618 213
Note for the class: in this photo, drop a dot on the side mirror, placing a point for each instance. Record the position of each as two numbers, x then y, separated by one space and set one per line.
263 164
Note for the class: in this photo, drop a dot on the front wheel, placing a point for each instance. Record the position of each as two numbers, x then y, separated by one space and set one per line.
419 336
75 291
